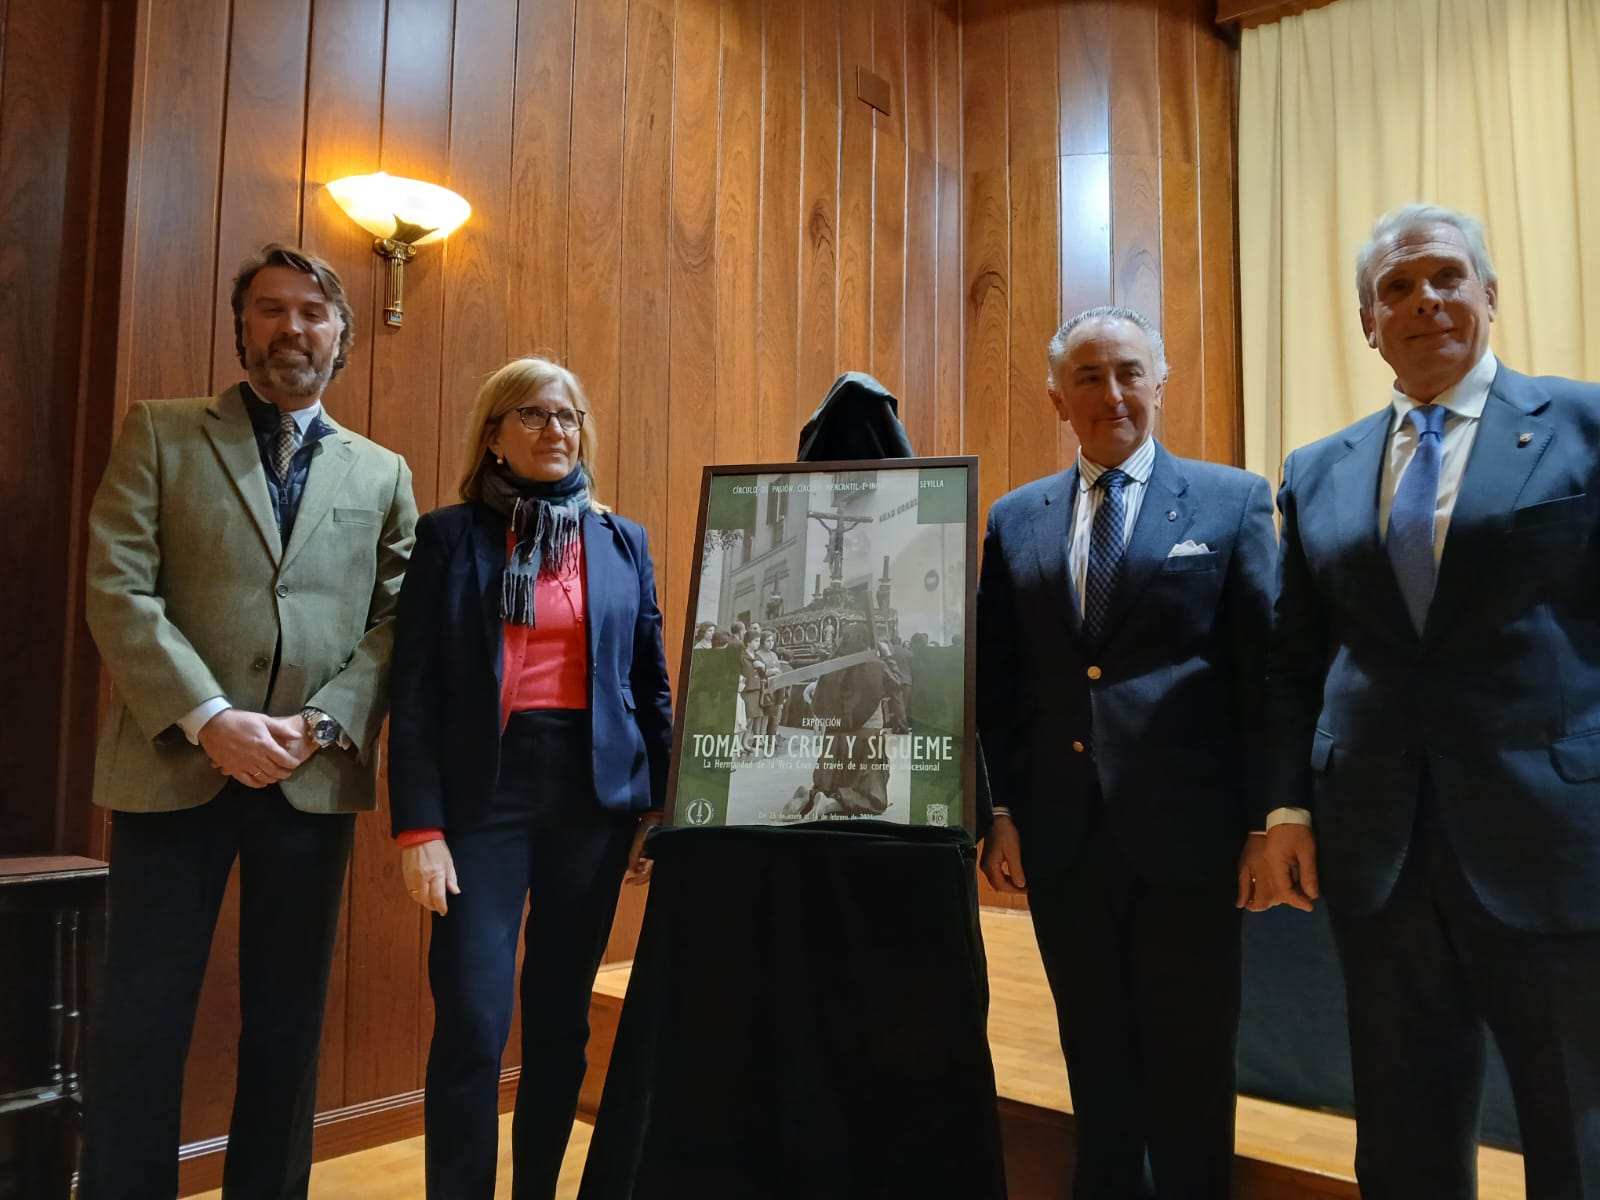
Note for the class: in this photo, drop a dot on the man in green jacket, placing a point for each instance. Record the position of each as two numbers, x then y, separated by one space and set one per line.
245 557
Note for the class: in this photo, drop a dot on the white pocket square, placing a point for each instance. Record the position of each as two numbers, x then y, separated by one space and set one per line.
1189 547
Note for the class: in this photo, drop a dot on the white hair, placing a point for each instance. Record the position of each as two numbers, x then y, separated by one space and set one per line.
1109 312
1408 219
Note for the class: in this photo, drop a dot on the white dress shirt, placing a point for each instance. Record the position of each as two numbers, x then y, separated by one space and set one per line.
1463 405
1137 467
195 719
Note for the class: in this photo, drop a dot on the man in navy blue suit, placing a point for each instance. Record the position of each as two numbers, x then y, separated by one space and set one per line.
1123 608
1434 682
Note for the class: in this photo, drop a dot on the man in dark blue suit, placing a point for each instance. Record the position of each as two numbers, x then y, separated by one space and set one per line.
1123 609
1435 699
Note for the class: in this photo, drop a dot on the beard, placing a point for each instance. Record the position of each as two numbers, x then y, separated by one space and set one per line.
290 366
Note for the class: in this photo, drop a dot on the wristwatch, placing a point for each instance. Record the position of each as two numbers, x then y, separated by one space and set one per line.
324 730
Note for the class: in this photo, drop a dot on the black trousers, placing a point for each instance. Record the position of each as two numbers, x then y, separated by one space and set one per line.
1146 983
168 875
545 844
1423 976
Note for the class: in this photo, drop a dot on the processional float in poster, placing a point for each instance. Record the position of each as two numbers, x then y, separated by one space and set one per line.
828 660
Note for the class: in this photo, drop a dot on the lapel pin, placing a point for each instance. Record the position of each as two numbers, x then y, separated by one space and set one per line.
1171 515
1524 438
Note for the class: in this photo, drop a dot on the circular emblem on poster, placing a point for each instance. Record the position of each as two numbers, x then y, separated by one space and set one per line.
931 581
699 812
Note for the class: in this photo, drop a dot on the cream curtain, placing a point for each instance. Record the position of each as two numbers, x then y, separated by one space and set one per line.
1490 106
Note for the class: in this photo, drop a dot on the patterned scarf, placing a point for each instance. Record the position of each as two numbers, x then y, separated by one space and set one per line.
547 522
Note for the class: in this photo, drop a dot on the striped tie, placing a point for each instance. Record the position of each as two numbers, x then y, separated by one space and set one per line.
285 444
1105 551
1411 520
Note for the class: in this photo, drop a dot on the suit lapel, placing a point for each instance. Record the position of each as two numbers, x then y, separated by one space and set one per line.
1497 471
331 460
1154 535
234 439
488 536
1051 531
1353 483
599 566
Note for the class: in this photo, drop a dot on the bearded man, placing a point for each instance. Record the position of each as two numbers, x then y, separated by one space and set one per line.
245 558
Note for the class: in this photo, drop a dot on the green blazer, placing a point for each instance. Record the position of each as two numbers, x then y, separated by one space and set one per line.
190 594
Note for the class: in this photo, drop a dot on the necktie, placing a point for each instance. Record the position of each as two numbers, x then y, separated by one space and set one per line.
1411 527
1105 551
284 445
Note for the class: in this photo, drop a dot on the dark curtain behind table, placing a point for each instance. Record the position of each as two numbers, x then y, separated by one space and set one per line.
805 1019
1293 1044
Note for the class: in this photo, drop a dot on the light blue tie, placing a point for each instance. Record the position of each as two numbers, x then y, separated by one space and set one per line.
1105 551
1411 526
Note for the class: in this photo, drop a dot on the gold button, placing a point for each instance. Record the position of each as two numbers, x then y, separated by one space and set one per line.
1078 746
1094 672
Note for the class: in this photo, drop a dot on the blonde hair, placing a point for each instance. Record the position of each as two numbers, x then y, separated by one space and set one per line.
509 388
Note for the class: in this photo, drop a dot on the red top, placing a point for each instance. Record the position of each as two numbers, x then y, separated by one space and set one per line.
548 666
545 666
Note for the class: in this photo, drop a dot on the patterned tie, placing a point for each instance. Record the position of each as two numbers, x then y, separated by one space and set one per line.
1411 520
285 444
1105 551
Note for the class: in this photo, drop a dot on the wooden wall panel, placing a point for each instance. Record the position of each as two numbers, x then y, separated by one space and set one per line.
49 76
691 357
781 147
854 311
738 251
343 135
594 219
174 166
261 151
819 209
686 201
541 155
475 286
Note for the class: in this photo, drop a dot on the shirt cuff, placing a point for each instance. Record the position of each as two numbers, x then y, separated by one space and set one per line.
416 837
195 720
1288 816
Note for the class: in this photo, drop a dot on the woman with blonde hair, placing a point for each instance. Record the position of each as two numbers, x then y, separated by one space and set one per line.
529 739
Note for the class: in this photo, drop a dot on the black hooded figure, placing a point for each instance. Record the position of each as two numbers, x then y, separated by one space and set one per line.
857 419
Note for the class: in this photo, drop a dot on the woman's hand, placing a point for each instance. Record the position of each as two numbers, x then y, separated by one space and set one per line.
429 873
639 866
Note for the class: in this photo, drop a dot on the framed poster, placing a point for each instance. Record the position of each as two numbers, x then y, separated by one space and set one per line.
827 669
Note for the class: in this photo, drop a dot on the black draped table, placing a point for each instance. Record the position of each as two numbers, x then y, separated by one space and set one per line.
805 1017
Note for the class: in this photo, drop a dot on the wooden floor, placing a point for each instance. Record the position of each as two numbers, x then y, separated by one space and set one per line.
1028 1068
394 1172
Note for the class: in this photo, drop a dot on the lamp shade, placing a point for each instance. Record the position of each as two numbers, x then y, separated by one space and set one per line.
405 210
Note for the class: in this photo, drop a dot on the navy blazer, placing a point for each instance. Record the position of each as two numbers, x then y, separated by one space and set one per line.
1497 702
444 727
1164 711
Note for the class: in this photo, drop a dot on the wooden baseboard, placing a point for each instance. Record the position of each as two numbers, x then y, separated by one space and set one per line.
1039 1160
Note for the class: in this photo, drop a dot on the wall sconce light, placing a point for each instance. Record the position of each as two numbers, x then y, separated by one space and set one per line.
401 214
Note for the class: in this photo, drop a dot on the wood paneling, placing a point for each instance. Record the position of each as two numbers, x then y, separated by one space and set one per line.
1097 148
1260 12
683 199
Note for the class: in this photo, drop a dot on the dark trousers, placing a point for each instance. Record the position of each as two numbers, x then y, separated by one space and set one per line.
168 875
1423 976
545 843
1146 985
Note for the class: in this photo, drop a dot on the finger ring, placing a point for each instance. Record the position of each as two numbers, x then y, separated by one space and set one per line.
414 891
255 774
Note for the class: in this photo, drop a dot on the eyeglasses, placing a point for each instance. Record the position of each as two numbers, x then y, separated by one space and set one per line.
534 418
